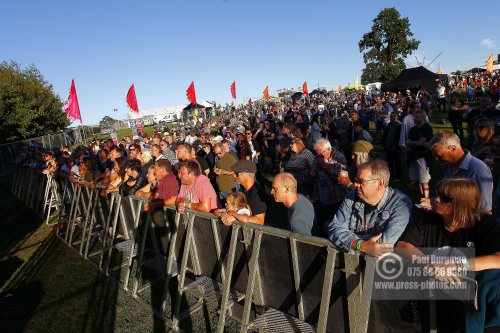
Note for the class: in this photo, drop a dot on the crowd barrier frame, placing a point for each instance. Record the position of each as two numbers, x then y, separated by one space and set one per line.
201 249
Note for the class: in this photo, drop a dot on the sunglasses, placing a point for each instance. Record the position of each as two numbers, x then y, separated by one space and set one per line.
444 198
363 181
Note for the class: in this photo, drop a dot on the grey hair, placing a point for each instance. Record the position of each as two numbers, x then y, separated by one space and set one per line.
444 139
379 169
322 143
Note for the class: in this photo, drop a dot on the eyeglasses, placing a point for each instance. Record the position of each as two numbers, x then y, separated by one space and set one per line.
326 149
444 198
363 181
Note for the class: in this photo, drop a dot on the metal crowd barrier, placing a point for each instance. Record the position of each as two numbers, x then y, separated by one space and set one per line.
268 279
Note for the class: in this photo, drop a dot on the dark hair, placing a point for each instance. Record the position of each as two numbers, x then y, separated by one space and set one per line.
134 165
118 150
191 166
163 164
136 146
122 164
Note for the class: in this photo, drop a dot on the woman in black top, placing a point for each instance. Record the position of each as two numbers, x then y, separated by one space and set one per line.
134 178
457 221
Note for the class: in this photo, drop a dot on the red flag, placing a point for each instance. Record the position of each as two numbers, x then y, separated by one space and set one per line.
72 107
250 102
191 94
132 99
304 89
266 93
233 89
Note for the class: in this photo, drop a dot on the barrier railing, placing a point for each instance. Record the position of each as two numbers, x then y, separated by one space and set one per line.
269 279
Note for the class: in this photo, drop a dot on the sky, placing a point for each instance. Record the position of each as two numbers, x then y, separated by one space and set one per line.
161 46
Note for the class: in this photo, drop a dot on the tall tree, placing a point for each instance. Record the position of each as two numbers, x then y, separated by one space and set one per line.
28 105
107 121
386 46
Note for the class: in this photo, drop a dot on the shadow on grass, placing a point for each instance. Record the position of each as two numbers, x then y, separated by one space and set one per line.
18 221
56 291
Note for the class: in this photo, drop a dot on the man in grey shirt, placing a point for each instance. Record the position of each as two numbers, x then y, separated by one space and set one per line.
301 215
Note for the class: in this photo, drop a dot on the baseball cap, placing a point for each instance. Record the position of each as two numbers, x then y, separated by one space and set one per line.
244 166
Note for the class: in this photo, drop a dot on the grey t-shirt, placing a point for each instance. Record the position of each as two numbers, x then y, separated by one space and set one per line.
301 216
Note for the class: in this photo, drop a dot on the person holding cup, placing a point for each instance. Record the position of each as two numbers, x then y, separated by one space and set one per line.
196 191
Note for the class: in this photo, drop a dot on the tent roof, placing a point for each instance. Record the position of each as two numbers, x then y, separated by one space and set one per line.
418 77
155 111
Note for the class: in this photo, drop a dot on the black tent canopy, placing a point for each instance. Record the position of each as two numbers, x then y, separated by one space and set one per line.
414 78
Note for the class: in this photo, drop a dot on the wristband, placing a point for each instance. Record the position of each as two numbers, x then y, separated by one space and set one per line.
349 185
358 244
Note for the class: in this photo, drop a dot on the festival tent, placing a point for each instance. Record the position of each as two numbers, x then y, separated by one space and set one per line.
318 91
156 113
297 95
483 69
204 104
414 78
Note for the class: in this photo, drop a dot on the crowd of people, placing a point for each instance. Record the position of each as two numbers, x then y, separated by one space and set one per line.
336 163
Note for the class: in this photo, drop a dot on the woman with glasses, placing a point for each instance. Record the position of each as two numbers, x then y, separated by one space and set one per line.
458 221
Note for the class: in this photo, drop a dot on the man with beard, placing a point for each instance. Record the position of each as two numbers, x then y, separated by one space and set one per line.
373 216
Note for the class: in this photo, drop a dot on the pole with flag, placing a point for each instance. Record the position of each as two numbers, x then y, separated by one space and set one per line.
233 92
72 107
132 99
266 93
305 90
191 96
356 83
489 64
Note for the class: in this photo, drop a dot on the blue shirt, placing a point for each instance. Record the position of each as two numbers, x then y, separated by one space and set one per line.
390 217
473 168
301 216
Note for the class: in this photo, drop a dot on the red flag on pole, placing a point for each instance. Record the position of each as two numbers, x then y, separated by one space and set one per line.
191 94
233 89
304 89
266 93
72 107
132 99
250 102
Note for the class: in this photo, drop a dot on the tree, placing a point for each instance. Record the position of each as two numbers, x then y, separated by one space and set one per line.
107 121
386 46
28 105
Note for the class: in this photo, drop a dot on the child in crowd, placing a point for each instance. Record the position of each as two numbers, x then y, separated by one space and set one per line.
237 202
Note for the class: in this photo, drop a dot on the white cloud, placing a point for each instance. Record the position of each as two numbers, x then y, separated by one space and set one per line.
489 43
